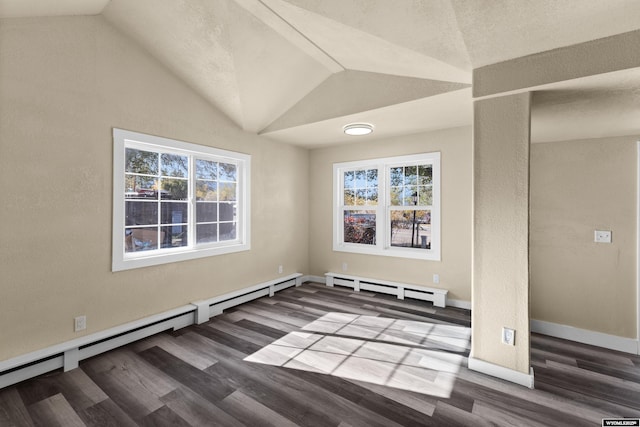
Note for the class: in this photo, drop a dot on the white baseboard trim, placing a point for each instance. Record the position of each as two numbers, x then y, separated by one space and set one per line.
67 355
458 303
526 380
584 336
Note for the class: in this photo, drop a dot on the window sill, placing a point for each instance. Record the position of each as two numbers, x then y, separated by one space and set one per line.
129 262
422 254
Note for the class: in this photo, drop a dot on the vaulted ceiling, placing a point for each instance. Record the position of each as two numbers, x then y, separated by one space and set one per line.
299 70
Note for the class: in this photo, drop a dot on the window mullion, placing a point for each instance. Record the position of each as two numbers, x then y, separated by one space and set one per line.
381 213
218 205
240 199
159 201
191 214
339 207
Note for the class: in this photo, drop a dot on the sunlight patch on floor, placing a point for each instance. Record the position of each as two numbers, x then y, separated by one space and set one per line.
416 356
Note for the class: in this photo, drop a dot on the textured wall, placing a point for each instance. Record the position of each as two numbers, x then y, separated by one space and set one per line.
64 84
455 266
500 230
576 188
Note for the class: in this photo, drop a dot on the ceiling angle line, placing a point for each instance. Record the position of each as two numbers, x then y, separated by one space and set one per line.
324 52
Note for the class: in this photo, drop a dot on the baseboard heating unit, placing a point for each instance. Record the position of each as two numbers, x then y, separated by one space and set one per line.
402 290
67 355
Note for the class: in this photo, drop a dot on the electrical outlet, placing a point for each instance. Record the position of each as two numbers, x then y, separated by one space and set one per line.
280 269
508 336
436 278
602 236
79 323
345 267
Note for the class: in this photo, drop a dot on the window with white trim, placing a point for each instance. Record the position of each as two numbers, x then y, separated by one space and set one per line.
388 206
174 201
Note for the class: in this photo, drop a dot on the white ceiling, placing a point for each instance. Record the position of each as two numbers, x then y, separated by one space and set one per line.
33 8
299 70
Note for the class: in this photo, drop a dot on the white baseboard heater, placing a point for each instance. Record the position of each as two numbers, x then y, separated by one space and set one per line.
402 290
67 355
206 309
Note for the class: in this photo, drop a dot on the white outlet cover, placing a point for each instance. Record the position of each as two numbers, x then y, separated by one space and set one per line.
80 323
436 278
508 336
602 236
344 266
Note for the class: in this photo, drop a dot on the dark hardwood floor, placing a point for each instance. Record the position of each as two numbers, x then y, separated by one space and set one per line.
197 376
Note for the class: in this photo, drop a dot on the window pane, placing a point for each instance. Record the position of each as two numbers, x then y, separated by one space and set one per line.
174 165
410 191
174 189
207 190
372 178
174 212
141 239
206 169
349 179
411 228
349 197
361 179
138 161
425 174
372 196
396 194
207 233
130 186
174 236
140 187
425 196
141 213
410 175
227 172
360 227
227 231
227 191
361 197
227 212
206 212
397 176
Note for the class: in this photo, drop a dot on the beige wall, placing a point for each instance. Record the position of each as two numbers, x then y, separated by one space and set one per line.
501 136
455 267
576 188
64 84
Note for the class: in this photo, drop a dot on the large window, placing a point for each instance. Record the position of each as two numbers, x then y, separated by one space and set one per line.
175 201
388 206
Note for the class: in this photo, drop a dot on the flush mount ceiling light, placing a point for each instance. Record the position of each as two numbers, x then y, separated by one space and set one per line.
357 129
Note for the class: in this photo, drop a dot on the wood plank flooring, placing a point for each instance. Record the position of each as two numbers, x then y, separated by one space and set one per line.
197 376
